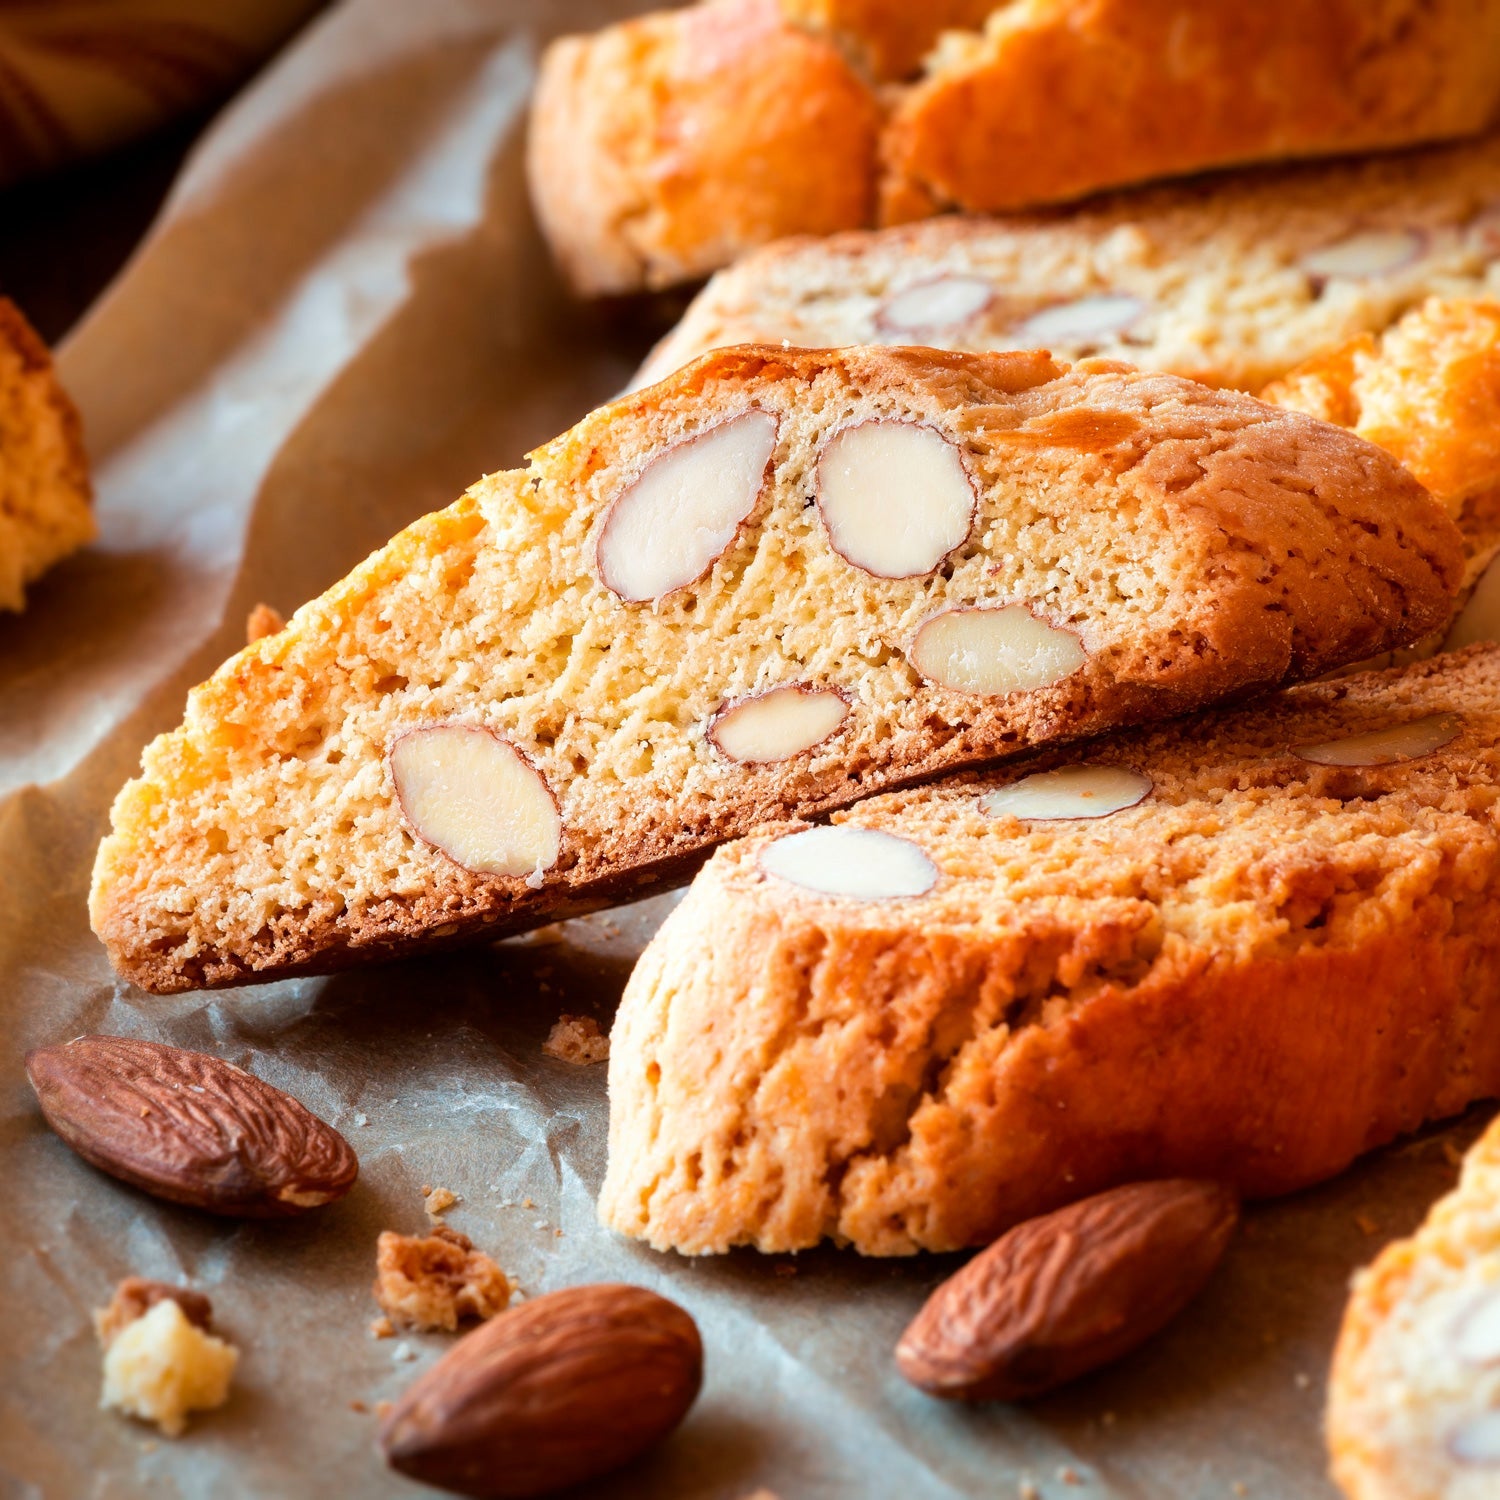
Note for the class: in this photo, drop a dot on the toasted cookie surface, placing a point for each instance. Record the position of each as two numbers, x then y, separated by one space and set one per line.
1244 946
767 587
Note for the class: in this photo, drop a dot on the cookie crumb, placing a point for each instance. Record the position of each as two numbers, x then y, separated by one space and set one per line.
437 1280
1301 1381
1069 1475
403 1352
382 1328
261 622
1028 1491
437 1201
577 1040
382 1407
160 1364
357 1405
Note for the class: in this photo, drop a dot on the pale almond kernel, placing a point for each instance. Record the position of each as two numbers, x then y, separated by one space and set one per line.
473 796
1477 1441
896 497
931 306
669 526
777 724
861 863
1370 252
994 650
1479 619
1385 747
1069 792
1478 1335
1085 318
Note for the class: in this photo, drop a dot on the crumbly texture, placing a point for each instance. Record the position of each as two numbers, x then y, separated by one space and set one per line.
577 1040
161 1367
1262 970
436 1201
1059 98
1216 268
262 621
135 1296
663 147
1403 1388
887 39
437 1280
1196 542
46 504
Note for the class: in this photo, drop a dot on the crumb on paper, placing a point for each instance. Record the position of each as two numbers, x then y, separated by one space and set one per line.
1069 1475
382 1328
382 1407
527 1203
161 1366
1301 1380
1367 1223
261 622
403 1352
437 1280
576 1039
1026 1490
437 1201
557 1234
361 1119
358 1405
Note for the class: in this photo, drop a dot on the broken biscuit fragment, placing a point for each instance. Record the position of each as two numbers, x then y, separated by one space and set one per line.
577 1040
437 1280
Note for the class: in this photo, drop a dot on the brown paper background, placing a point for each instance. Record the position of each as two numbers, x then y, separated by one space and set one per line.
342 318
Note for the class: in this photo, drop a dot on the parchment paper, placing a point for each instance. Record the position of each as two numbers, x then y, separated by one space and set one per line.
343 317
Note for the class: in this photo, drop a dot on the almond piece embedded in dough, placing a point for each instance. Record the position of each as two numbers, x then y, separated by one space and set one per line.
931 306
1084 319
475 797
1479 619
896 497
1070 792
861 863
1370 252
1477 1335
777 724
1385 747
994 650
1476 1442
669 526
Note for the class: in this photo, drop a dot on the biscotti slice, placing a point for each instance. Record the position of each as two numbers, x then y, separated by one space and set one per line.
1246 946
46 504
1060 98
768 586
1233 281
663 147
1414 1395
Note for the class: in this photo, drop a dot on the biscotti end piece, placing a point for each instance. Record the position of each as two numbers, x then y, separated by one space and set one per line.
46 504
927 1022
769 586
1057 100
1414 1392
663 147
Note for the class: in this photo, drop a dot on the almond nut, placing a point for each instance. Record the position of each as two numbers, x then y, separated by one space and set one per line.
1069 792
1370 252
861 863
669 526
994 650
932 306
558 1390
1065 1293
1385 747
777 724
474 796
189 1128
1080 321
896 497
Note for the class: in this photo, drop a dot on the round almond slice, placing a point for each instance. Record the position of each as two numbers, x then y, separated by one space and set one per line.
777 724
1079 321
861 863
1070 792
994 650
1479 619
474 796
931 306
1477 1440
1477 1341
896 497
1385 747
669 526
1370 252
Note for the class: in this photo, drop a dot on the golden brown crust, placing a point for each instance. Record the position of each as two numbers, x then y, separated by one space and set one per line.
887 39
1262 970
1201 543
1061 98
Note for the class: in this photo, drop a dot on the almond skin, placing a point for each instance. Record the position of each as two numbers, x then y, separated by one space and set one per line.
1070 1291
189 1128
548 1394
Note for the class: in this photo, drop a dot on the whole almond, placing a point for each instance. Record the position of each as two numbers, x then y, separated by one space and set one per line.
552 1392
1068 1292
189 1127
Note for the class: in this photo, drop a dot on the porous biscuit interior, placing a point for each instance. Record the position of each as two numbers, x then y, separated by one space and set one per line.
787 1065
1404 1389
1194 541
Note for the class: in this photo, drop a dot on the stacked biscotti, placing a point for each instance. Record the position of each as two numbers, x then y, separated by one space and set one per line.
663 147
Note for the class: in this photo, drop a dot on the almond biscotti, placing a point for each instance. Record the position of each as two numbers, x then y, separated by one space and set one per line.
46 504
1246 946
1414 1396
772 584
1233 281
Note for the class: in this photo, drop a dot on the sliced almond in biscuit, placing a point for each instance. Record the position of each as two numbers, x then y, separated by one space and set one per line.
777 724
1476 1441
896 497
1479 619
1477 1340
861 863
1080 321
474 796
1384 747
930 306
1370 252
994 650
1070 792
669 526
